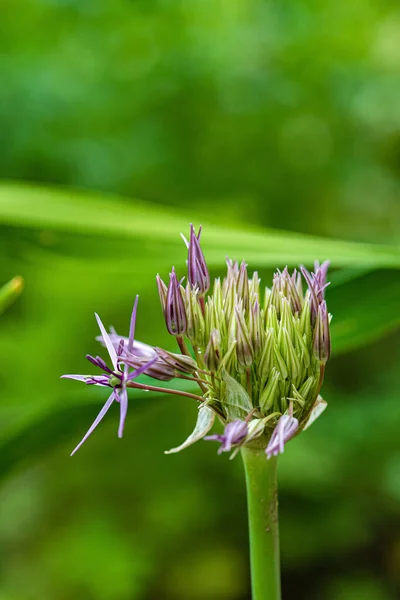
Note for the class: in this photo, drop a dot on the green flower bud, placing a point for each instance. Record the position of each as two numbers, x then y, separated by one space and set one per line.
271 393
244 349
212 354
243 286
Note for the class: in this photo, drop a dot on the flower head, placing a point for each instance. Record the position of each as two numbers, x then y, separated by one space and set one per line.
264 351
258 355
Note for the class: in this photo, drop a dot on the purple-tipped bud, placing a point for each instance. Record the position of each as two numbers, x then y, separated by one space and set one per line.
175 313
234 434
283 432
320 273
162 292
322 338
198 275
316 284
179 362
243 285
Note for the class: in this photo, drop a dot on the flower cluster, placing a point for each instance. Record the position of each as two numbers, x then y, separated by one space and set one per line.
257 355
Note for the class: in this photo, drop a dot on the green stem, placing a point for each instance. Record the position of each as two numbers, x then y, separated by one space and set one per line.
262 501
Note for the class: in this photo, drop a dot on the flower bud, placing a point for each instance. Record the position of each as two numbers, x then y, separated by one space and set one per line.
179 362
243 285
195 320
175 313
162 292
270 394
198 275
232 270
267 360
212 354
257 333
316 285
322 338
244 349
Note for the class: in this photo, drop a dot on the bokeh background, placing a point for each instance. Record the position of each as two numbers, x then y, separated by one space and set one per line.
276 125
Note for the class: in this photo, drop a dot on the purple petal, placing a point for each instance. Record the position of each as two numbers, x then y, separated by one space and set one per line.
139 348
101 380
108 343
132 325
77 377
234 433
185 240
124 409
93 360
142 369
214 438
96 421
283 432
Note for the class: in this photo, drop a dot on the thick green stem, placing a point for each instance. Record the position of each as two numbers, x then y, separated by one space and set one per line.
262 501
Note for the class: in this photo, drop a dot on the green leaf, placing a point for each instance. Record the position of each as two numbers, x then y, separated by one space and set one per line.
236 401
205 421
10 292
364 309
116 217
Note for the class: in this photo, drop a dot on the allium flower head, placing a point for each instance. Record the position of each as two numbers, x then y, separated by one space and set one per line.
257 354
263 350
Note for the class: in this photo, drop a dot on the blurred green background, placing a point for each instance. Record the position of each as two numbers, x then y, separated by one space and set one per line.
277 126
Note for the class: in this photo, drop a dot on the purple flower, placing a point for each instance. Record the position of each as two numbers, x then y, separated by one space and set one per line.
283 432
234 433
116 377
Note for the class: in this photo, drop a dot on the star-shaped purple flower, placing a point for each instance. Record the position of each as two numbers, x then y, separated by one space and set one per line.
117 377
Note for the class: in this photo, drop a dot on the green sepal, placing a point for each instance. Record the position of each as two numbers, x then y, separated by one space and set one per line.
318 408
236 401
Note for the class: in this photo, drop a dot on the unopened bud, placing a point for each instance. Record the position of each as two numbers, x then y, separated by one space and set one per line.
322 338
162 292
175 313
267 359
243 286
257 333
195 320
270 394
179 362
244 349
212 354
198 275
